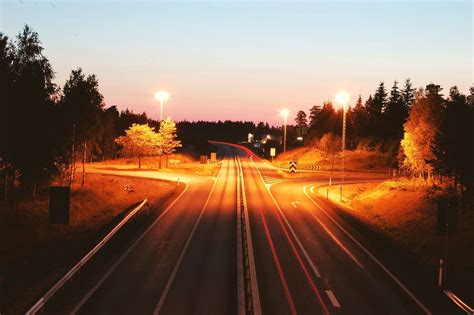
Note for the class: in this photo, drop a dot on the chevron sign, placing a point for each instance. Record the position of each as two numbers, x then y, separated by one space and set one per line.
315 167
292 168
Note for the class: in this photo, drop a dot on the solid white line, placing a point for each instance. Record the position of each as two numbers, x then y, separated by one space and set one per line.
333 299
257 309
114 266
300 245
466 308
400 284
183 252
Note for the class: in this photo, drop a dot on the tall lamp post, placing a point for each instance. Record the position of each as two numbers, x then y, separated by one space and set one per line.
284 113
343 98
162 96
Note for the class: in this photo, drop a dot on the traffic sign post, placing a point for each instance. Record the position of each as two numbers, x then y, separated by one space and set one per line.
293 166
272 153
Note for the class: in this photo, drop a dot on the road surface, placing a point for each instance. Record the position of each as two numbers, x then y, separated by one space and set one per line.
309 259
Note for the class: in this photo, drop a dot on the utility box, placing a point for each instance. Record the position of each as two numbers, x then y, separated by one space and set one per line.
213 157
203 159
59 203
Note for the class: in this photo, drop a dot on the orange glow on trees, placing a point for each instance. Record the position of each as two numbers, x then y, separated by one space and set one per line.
140 140
420 130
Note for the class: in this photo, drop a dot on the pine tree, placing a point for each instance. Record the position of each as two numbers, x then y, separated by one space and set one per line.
453 144
300 119
313 116
380 99
395 114
359 115
408 95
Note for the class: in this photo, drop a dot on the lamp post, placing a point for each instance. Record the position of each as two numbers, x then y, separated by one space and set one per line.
284 113
343 98
162 96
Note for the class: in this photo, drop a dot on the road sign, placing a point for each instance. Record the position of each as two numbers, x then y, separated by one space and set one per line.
59 204
292 168
315 167
213 157
272 152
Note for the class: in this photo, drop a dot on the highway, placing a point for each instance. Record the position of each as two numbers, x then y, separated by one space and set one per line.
308 258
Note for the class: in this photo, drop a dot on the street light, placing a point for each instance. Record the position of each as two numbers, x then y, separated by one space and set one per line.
343 98
162 96
284 113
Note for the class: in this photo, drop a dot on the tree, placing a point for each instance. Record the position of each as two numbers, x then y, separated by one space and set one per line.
359 118
453 143
330 144
30 110
169 139
380 99
420 130
395 114
300 119
408 94
313 116
139 141
81 106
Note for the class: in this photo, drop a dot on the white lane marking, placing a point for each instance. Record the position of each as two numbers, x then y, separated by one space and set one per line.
295 203
332 298
312 189
400 284
466 308
183 252
300 245
114 266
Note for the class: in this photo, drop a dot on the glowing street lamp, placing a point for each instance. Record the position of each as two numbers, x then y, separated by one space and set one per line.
284 113
343 98
162 96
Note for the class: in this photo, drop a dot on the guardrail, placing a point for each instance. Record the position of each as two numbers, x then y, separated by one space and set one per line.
248 300
55 288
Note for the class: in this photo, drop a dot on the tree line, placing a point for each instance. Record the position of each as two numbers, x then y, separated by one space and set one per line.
46 128
426 133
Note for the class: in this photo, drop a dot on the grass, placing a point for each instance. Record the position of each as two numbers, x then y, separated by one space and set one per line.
360 159
186 165
405 211
28 232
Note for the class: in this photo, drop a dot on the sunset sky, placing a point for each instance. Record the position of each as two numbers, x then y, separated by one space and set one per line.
246 60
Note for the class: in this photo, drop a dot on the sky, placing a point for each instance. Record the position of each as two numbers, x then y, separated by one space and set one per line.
246 60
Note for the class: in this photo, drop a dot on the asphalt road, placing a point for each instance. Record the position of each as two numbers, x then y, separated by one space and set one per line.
309 258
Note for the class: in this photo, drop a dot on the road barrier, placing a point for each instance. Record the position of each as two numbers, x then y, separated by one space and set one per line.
248 296
51 292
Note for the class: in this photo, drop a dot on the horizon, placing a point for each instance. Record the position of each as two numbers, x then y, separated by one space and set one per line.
229 61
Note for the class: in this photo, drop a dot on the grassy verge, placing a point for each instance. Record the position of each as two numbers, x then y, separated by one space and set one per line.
406 212
177 163
354 160
29 243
